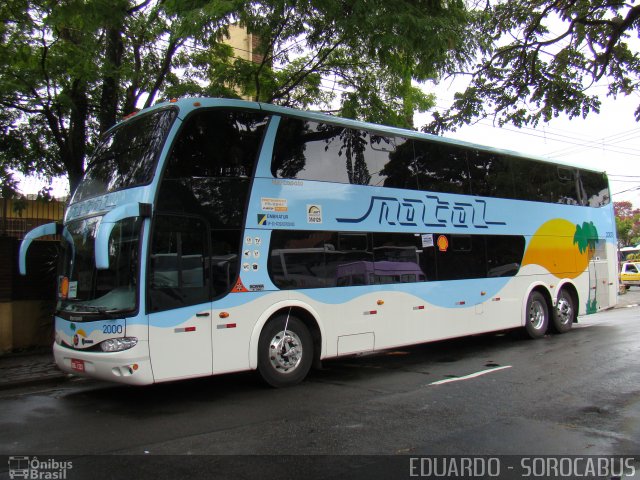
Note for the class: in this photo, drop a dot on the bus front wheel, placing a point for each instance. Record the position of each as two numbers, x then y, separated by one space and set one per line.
537 315
285 351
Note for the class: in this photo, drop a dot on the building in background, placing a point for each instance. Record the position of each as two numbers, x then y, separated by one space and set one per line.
27 303
244 44
19 215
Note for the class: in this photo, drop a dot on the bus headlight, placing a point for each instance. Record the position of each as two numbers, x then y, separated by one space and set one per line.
118 344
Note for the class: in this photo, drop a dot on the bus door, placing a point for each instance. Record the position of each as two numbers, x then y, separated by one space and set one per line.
179 302
598 286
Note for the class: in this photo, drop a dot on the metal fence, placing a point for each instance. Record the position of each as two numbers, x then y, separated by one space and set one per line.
18 216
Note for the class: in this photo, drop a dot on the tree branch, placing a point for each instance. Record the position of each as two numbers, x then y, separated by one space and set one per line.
619 27
164 69
137 8
265 57
304 72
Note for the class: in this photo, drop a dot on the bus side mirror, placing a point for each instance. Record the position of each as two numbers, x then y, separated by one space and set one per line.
41 231
128 210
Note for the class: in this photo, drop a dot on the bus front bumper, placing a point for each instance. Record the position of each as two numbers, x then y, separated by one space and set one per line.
131 366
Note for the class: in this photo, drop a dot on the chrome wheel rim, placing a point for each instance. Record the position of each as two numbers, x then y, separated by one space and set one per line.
565 310
536 315
285 352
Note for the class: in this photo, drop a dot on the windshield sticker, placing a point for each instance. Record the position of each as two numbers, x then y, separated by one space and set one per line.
73 289
274 204
314 214
274 220
427 240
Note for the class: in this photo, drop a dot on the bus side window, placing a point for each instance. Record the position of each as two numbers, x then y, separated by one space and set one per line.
209 168
465 257
313 151
397 258
178 270
504 255
490 174
391 161
224 259
441 168
297 258
330 153
594 189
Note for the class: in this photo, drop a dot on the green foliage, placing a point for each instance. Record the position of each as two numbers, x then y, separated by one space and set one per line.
627 223
8 184
538 58
69 70
586 237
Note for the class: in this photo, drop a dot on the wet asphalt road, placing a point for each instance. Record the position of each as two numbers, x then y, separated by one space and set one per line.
571 394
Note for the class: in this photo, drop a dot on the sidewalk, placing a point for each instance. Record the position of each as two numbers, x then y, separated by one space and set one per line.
37 366
629 299
29 368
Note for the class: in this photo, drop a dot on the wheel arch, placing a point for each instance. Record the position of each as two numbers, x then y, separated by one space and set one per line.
304 312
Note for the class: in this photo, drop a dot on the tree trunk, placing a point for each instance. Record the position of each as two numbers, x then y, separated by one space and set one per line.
74 154
107 115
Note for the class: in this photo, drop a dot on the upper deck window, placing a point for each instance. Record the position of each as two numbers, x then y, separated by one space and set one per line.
127 155
217 143
320 151
311 150
208 170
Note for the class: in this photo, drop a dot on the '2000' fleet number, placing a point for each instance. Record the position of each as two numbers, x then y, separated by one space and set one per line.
112 329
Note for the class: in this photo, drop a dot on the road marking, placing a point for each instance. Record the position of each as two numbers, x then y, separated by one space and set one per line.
467 377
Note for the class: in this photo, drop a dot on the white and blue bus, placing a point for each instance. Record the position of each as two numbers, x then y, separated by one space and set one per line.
212 236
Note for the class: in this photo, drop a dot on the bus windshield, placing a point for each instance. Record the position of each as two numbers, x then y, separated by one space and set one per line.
85 290
126 156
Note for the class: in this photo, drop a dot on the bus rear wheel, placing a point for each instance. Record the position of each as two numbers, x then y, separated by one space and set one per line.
284 356
537 315
565 312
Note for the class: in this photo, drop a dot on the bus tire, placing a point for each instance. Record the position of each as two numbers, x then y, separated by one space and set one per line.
565 312
284 361
536 315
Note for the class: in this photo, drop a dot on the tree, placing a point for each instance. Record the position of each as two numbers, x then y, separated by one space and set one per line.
69 70
627 223
538 58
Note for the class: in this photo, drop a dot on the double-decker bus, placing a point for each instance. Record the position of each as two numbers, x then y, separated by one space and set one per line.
212 236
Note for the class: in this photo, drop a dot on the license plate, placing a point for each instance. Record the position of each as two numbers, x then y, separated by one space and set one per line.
77 365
